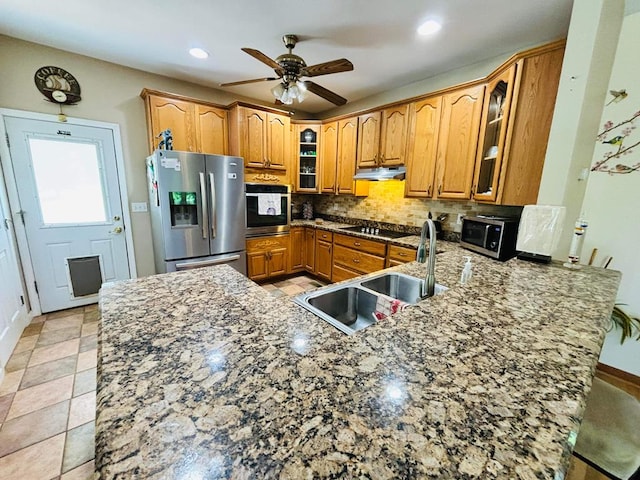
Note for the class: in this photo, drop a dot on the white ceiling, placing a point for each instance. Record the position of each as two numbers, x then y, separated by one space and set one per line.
377 36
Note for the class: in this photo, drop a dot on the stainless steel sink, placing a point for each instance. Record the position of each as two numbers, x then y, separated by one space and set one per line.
351 306
400 286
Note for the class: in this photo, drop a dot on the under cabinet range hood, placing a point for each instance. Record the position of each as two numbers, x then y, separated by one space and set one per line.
380 173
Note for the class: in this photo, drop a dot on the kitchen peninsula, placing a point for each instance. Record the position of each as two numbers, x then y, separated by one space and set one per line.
203 374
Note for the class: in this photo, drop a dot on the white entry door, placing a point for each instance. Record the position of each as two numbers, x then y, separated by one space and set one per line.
67 183
13 313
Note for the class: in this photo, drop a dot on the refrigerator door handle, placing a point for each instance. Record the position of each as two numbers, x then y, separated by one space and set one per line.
214 217
203 204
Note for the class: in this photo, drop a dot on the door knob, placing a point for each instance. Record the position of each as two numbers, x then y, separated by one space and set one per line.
117 230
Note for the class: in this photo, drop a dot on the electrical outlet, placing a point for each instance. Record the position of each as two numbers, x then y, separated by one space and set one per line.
138 206
460 217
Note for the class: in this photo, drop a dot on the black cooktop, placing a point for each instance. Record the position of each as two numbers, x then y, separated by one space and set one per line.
382 233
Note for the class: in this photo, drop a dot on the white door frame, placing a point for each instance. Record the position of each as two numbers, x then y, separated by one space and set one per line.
14 201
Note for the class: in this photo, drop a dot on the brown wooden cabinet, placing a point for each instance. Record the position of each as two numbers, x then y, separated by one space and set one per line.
346 164
307 154
382 137
397 255
457 142
329 157
195 126
297 257
310 249
520 127
369 139
354 256
267 257
324 255
211 129
422 146
263 138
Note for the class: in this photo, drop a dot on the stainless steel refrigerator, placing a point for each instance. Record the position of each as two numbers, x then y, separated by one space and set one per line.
197 209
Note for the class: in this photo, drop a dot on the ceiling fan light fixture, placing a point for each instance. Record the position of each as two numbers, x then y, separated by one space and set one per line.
429 27
198 52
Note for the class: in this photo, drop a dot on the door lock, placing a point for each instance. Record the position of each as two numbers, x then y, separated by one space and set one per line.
116 218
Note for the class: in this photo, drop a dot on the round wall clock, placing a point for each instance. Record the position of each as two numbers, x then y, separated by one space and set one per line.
58 85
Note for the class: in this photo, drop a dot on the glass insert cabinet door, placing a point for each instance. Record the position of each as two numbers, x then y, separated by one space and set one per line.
491 148
308 145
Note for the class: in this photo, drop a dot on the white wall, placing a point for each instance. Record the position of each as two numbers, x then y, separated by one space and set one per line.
612 202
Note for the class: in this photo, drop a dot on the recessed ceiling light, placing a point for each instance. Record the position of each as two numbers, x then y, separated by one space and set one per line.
429 27
198 53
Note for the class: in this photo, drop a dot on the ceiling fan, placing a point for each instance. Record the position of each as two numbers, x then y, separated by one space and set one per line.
290 68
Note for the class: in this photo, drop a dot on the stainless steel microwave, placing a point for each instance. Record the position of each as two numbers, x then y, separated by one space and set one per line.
490 235
268 209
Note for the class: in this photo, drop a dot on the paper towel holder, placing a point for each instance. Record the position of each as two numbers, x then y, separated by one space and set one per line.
539 232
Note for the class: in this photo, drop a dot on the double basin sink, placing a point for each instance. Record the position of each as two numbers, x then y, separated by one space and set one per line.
352 306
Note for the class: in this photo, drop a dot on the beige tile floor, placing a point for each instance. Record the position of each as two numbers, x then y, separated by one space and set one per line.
48 395
48 399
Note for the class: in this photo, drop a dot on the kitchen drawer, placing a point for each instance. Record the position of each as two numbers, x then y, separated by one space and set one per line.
362 244
324 236
401 254
267 243
340 273
355 260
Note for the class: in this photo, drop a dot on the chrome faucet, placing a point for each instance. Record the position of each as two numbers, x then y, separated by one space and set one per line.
429 285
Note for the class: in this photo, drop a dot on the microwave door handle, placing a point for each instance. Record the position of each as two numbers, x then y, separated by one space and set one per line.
214 216
203 205
485 239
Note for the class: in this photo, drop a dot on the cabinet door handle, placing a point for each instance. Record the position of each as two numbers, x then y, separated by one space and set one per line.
429 191
439 189
382 159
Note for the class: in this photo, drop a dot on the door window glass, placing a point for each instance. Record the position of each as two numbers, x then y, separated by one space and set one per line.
68 181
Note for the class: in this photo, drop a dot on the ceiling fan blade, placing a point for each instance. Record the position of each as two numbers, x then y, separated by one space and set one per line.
324 93
258 55
242 82
334 66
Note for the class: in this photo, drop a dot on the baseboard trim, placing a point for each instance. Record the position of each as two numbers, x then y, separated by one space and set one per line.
621 374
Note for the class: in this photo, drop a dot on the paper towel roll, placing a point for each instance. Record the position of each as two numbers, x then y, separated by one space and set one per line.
540 229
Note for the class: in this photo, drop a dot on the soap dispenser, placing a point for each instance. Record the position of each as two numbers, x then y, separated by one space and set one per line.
466 272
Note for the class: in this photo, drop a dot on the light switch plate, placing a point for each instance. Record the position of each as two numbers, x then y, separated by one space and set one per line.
138 206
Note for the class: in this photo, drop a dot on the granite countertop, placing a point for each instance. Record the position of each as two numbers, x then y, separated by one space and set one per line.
410 240
203 374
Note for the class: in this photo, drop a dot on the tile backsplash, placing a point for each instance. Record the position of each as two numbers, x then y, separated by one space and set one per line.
386 203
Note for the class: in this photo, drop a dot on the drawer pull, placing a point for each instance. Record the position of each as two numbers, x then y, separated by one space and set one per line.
357 244
355 260
402 254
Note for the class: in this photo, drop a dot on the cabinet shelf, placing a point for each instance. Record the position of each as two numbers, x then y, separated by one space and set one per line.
307 174
495 120
308 156
308 143
491 158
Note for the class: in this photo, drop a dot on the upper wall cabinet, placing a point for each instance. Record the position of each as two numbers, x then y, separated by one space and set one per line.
382 137
457 142
263 139
521 135
195 126
346 164
422 146
329 157
307 153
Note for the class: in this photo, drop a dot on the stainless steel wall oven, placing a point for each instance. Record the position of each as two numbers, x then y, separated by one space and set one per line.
268 209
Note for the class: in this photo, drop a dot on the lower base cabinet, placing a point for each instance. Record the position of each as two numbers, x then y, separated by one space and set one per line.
353 256
397 255
297 255
267 257
324 255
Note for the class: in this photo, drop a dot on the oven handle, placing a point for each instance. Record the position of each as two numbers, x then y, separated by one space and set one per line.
256 194
214 213
203 205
